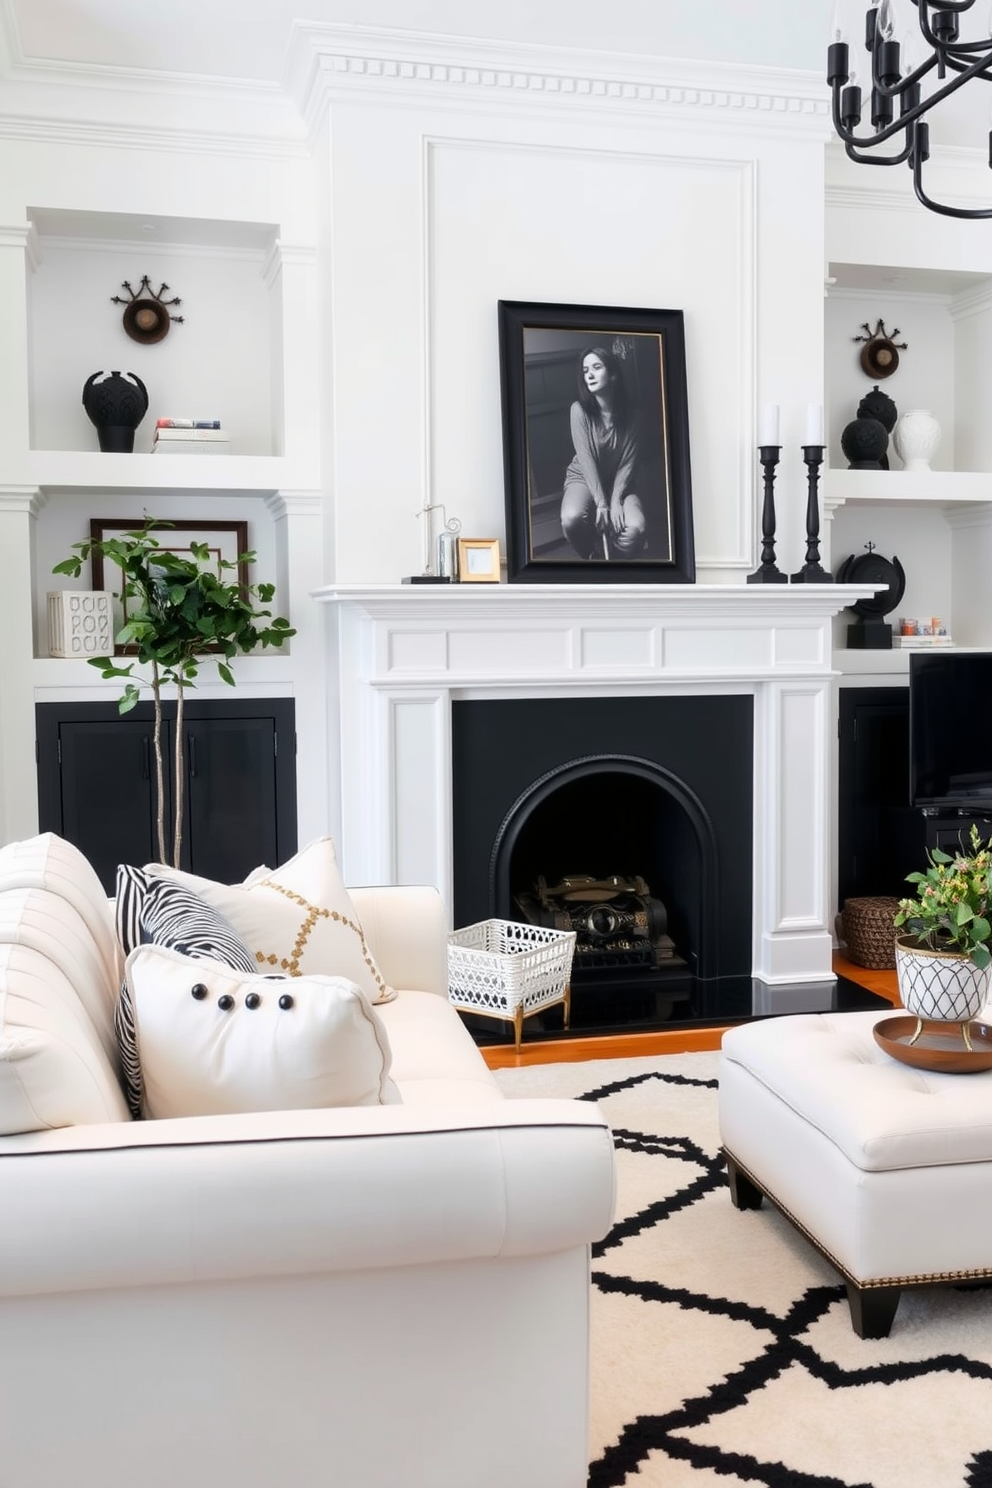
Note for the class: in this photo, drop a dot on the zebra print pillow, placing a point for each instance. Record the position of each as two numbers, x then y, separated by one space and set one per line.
161 912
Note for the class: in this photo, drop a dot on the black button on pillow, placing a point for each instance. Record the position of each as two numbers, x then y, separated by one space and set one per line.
162 912
225 1002
253 1000
199 991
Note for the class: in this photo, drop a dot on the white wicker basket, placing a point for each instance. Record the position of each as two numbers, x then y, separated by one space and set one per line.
507 969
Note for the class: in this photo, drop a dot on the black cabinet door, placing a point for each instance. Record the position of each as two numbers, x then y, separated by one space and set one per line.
880 836
232 796
99 791
96 777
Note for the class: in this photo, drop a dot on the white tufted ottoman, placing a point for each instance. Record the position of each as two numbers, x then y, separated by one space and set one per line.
886 1169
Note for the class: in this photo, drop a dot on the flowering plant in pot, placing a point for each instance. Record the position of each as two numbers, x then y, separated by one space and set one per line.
943 955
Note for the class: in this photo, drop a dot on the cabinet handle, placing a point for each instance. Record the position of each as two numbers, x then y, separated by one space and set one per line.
191 740
146 768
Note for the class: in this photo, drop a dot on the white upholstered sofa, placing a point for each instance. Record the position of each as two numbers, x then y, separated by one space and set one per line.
379 1296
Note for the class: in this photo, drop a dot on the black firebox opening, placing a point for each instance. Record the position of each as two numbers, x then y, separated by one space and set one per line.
647 788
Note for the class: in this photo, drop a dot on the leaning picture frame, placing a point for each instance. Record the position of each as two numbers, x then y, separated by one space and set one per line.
596 462
478 560
227 542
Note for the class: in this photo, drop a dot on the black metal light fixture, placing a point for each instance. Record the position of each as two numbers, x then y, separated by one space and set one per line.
956 63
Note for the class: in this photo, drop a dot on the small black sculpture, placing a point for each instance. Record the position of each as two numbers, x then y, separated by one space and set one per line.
865 442
878 405
871 631
115 402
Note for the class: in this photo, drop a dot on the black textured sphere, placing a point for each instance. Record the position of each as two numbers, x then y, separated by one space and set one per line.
253 1001
198 991
225 1003
864 442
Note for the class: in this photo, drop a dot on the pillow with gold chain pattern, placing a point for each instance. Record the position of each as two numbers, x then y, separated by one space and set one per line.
296 920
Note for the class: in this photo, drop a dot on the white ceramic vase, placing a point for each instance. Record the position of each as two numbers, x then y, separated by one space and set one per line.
942 986
916 436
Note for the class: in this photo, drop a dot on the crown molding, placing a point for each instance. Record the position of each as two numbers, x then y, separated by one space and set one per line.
23 500
144 138
894 292
286 503
971 302
282 254
328 61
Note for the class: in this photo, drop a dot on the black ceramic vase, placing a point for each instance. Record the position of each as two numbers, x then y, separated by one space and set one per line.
115 402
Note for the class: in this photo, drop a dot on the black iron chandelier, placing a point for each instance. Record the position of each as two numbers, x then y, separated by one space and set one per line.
956 63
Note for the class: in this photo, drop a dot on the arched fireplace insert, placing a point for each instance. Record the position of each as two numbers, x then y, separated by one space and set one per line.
558 801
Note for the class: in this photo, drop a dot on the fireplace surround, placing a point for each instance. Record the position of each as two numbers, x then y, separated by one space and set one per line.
407 656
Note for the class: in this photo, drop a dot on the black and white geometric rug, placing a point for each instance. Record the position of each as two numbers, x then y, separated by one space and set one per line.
722 1348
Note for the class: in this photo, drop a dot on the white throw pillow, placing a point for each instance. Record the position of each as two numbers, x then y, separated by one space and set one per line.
297 919
212 1040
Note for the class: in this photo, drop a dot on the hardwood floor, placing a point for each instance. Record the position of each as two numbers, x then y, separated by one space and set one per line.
668 1041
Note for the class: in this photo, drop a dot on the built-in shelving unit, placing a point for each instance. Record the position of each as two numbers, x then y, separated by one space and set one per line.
937 522
244 353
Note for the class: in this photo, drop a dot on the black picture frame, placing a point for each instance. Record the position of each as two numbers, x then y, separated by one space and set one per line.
541 350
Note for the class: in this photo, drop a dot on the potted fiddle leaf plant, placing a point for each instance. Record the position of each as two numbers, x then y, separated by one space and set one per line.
179 609
943 955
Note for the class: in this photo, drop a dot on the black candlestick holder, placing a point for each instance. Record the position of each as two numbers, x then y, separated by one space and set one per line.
811 572
768 571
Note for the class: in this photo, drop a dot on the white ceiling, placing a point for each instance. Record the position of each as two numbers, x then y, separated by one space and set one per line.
250 39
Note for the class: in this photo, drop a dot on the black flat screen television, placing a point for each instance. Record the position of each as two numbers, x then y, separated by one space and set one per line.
950 729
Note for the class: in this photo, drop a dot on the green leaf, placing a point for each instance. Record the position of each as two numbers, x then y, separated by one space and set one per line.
939 856
981 957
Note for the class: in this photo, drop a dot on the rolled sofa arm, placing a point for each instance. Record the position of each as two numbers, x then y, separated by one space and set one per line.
407 932
294 1192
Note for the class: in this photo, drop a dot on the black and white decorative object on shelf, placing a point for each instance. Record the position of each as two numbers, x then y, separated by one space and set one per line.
80 622
115 403
871 631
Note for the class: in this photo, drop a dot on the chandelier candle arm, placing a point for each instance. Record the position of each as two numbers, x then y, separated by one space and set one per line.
957 63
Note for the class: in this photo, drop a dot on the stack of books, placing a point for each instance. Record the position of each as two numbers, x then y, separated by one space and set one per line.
176 436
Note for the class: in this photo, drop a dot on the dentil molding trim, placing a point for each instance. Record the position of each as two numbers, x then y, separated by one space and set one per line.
328 61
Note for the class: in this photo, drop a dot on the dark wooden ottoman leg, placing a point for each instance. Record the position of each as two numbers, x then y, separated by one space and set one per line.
872 1309
743 1193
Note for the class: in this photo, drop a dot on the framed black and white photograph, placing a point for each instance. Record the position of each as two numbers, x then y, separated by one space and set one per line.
226 542
595 445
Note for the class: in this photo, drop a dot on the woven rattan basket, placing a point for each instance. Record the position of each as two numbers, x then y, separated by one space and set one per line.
506 969
869 932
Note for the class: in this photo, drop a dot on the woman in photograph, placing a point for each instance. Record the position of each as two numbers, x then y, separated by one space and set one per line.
601 514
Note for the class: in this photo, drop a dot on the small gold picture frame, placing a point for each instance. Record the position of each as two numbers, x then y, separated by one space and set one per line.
478 560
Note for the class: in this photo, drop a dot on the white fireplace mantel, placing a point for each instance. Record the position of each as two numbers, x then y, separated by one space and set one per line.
405 653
